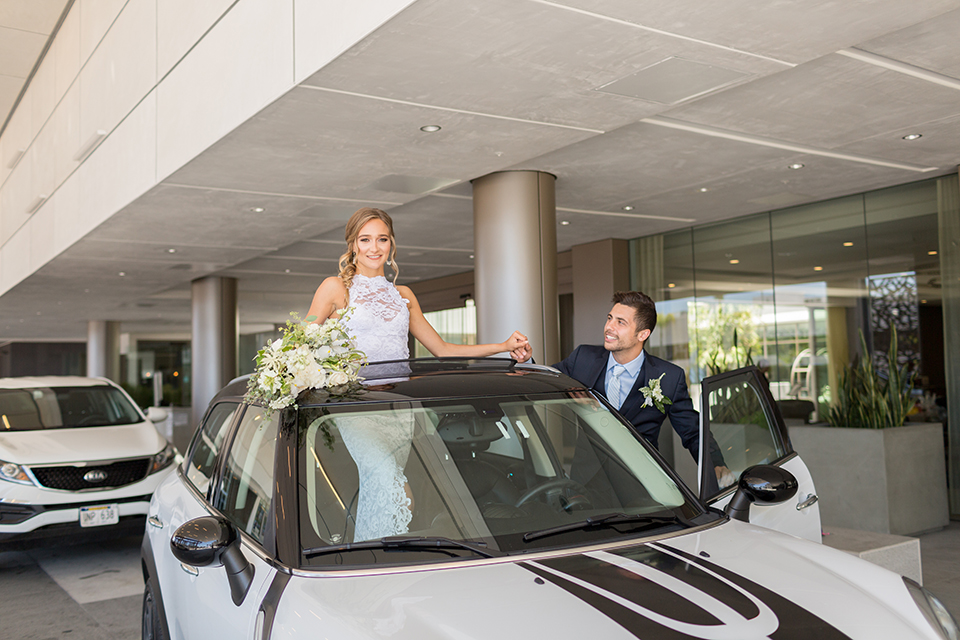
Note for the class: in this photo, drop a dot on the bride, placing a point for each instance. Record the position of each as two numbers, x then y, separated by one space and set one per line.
382 314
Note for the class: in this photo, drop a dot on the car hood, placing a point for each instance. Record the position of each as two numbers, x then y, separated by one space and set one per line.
733 582
56 446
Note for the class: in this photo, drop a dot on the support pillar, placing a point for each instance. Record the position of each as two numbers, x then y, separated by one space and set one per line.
214 343
600 269
103 349
515 243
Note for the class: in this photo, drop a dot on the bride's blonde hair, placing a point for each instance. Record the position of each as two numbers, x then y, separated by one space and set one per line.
348 261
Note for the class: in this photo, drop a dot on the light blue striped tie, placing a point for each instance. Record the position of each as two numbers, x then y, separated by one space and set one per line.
613 393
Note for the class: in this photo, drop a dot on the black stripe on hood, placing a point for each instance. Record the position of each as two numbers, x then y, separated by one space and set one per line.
632 587
796 623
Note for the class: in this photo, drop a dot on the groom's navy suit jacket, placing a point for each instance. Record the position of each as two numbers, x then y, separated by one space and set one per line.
588 365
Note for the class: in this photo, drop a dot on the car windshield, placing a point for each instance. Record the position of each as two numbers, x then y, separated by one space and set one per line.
64 408
504 474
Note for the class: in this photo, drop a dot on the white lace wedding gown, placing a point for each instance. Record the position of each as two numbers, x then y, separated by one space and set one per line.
379 324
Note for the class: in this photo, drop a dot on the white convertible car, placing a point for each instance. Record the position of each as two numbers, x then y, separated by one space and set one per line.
75 453
526 509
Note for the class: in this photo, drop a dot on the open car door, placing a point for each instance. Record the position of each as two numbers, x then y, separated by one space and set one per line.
740 426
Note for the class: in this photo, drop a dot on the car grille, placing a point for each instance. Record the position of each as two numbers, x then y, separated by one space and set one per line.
68 478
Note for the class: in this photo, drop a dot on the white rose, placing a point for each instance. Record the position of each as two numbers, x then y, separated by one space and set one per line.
337 378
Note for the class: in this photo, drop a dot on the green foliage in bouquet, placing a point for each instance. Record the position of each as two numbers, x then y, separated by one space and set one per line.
306 356
865 400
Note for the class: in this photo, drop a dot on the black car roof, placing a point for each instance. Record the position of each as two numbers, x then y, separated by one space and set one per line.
425 378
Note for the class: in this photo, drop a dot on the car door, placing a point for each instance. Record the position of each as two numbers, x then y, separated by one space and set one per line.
740 426
197 600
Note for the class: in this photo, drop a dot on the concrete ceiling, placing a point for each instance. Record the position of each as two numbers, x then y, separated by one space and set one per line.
524 84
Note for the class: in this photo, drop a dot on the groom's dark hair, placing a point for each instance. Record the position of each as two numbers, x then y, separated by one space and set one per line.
644 308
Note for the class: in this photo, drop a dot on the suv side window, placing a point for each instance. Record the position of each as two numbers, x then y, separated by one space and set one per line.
246 489
198 467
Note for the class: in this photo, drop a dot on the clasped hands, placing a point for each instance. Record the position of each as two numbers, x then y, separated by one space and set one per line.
519 347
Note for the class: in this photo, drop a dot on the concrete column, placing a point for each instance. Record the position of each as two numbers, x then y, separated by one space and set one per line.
599 270
214 344
103 349
515 243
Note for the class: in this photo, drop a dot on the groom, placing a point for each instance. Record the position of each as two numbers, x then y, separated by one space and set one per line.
620 368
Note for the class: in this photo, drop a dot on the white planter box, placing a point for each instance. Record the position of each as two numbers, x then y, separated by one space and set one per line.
883 480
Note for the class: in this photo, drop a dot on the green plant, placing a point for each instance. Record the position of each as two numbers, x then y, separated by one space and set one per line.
726 335
865 400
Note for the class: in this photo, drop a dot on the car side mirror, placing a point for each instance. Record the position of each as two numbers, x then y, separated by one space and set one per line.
156 414
762 484
212 541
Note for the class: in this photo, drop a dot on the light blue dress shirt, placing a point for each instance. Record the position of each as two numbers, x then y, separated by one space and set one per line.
627 379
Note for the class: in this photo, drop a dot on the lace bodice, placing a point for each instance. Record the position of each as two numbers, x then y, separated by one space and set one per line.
380 320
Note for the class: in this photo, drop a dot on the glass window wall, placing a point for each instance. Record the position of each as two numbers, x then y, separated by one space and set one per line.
793 291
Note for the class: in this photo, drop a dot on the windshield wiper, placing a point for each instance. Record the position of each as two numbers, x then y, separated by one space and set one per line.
607 520
405 544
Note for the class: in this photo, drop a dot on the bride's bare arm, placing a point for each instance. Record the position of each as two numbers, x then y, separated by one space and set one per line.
328 299
428 336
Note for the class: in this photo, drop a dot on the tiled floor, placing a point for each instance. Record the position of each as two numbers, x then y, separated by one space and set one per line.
93 591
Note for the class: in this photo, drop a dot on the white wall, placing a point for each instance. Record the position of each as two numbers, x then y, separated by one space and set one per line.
164 79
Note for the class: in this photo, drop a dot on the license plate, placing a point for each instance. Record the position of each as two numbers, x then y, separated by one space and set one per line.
100 515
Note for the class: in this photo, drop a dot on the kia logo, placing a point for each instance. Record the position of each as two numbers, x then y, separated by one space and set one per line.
95 476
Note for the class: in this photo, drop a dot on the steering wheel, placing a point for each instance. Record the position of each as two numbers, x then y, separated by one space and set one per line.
554 484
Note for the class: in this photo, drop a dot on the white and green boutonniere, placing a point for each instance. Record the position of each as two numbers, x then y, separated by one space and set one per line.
653 396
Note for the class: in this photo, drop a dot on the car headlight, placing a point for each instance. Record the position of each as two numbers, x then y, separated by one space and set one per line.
164 459
14 473
934 611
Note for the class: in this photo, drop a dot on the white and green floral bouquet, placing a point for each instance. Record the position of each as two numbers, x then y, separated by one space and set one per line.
306 356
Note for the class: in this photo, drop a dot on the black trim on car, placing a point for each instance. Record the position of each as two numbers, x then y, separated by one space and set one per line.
271 601
286 514
149 568
15 513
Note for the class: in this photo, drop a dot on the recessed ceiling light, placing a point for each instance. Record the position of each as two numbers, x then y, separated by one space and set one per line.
258 209
734 261
931 253
795 165
171 250
628 207
912 136
430 128
923 302
565 222
471 256
671 286
848 244
122 273
704 189
818 268
286 270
